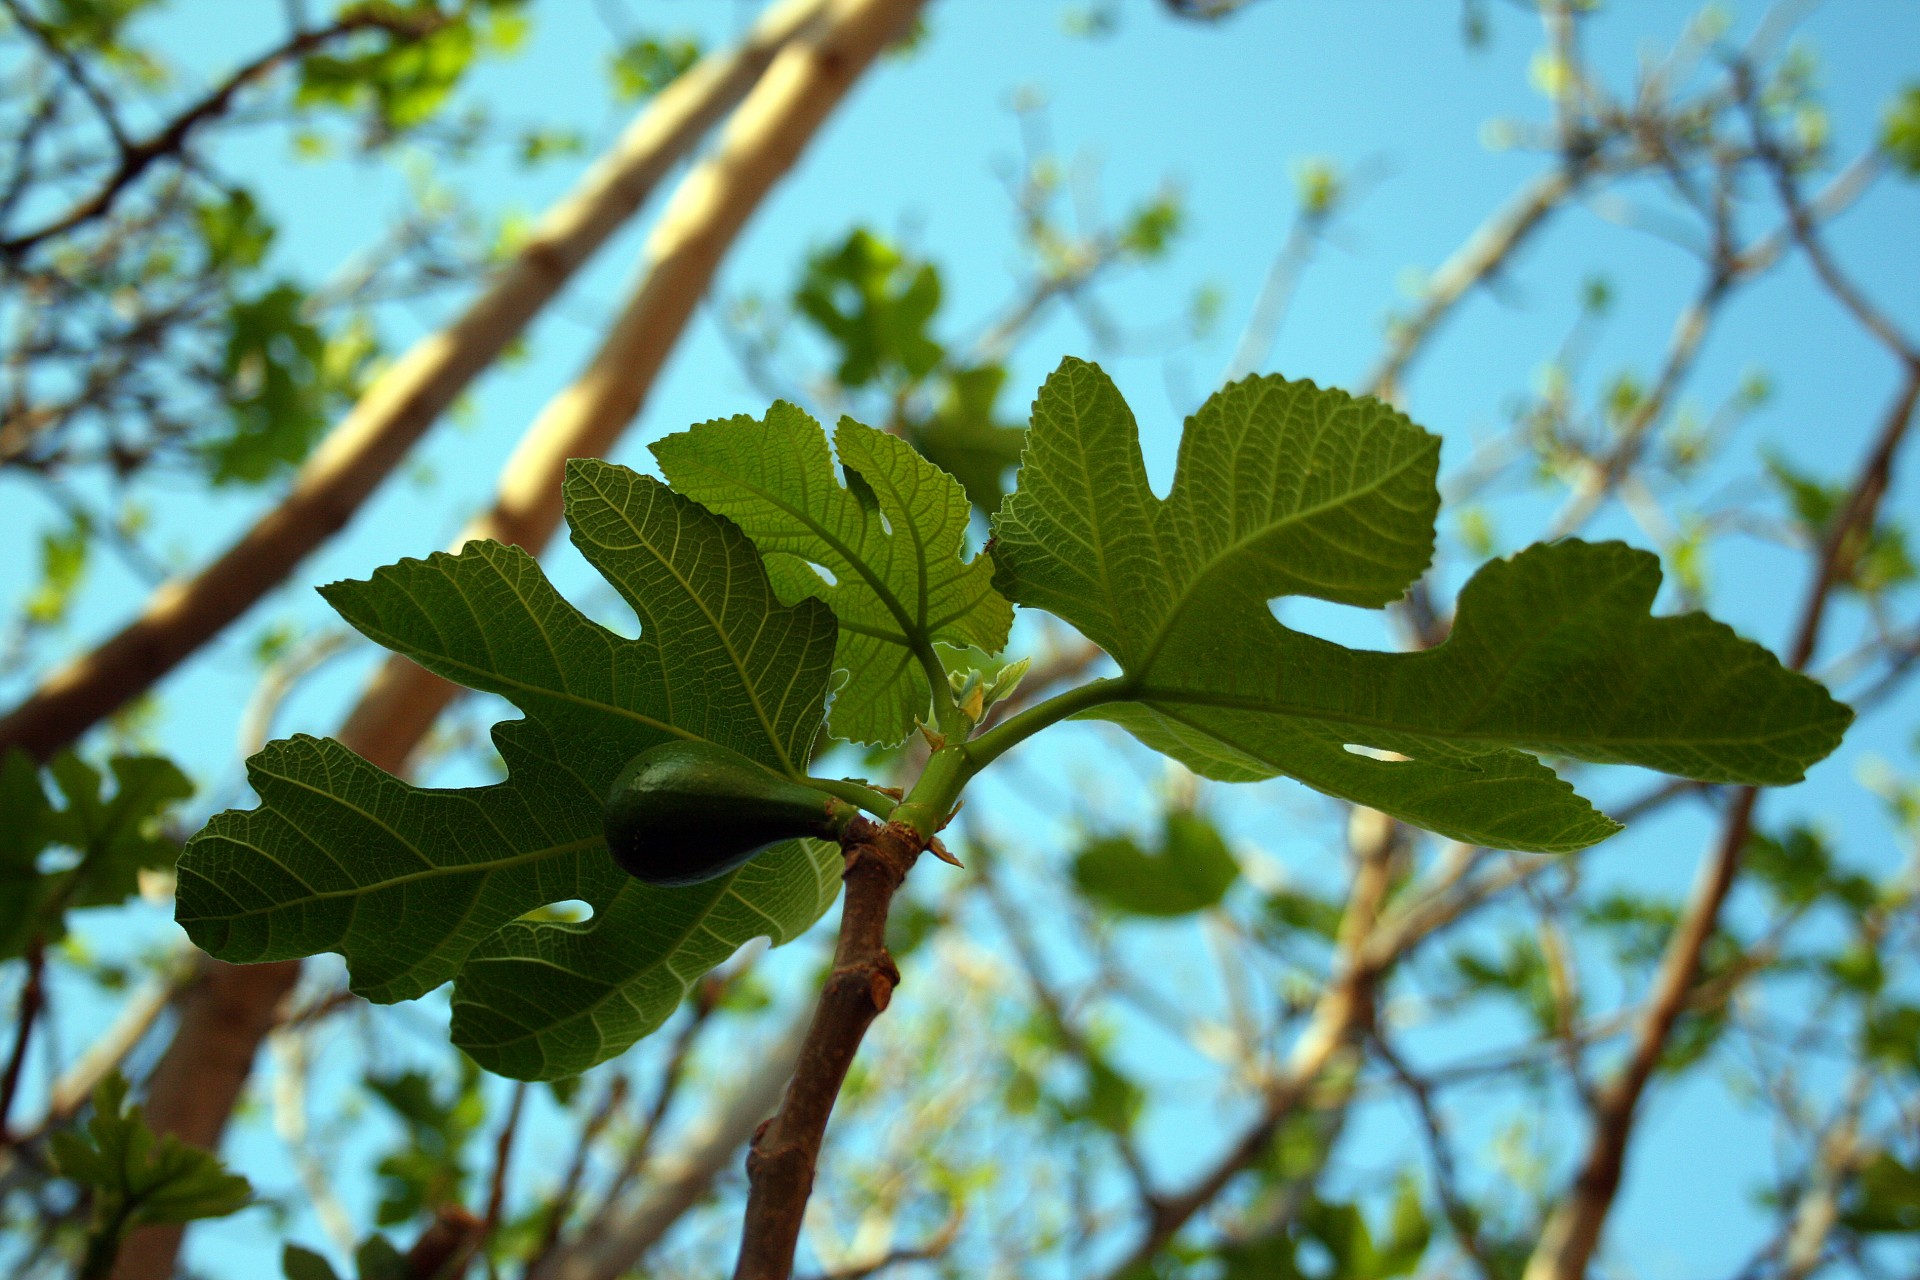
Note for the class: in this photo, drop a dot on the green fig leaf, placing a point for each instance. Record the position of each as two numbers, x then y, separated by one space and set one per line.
1283 488
1191 871
891 538
416 886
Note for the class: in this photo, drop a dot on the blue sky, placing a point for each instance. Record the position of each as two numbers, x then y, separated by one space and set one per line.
1226 114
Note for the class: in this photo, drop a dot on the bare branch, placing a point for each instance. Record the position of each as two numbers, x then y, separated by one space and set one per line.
1572 1232
171 139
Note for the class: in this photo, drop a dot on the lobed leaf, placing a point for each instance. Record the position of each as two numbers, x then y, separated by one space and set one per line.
891 538
1283 488
415 886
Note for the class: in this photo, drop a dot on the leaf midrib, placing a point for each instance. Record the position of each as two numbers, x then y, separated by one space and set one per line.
426 873
747 681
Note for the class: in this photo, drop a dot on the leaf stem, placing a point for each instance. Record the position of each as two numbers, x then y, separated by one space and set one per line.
946 712
995 742
874 801
935 792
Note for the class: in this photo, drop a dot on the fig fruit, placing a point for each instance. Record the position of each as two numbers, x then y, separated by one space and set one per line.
684 812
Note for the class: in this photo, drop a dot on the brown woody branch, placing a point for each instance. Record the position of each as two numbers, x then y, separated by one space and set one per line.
786 1150
33 999
616 1238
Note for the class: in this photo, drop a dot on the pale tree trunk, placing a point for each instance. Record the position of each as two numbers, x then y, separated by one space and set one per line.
230 1010
183 615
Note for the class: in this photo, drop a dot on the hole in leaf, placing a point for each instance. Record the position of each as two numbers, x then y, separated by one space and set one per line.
1375 753
567 911
886 524
826 574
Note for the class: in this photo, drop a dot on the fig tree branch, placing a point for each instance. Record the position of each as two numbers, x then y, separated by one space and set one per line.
786 1150
200 1077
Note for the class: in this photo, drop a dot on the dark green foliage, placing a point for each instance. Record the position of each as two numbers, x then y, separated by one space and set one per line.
965 436
1342 1242
873 305
1190 871
1886 1200
413 884
375 1259
1284 488
285 381
428 1167
136 1179
110 839
764 566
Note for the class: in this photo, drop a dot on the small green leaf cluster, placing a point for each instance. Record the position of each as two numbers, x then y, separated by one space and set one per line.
408 65
136 1179
427 1167
110 839
875 307
1900 131
647 64
774 565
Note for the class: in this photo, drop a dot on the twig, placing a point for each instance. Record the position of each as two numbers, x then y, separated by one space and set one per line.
1340 1021
1484 252
359 454
33 998
561 1203
1446 1178
932 1250
446 1247
781 1161
1056 1014
503 1159
137 157
706 998
612 1244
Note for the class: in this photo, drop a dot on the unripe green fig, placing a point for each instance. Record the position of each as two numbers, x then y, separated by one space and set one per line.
684 812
